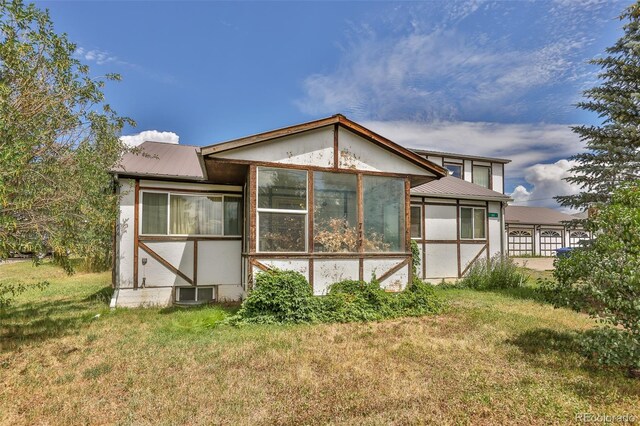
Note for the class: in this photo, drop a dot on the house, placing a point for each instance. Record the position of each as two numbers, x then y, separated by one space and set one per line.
539 231
328 198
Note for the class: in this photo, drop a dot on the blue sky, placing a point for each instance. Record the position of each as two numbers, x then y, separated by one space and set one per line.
486 78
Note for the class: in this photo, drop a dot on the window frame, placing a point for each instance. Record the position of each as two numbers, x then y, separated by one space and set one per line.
401 217
169 193
489 175
421 217
213 288
304 212
473 220
449 163
315 210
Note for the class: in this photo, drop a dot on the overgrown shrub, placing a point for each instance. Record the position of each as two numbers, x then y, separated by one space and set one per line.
418 299
286 297
278 296
415 257
498 272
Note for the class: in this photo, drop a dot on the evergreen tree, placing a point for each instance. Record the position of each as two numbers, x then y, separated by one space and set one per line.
613 148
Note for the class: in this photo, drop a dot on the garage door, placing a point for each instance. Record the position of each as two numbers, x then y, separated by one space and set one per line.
520 242
550 240
576 236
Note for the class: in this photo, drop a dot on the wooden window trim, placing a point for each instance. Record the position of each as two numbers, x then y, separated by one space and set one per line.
460 207
169 193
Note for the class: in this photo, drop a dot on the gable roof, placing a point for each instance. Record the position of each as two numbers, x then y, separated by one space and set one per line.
164 160
535 215
453 187
339 120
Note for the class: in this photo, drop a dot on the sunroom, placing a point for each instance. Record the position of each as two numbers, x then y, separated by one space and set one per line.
329 199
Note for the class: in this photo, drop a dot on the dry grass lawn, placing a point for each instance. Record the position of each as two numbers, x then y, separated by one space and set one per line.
491 358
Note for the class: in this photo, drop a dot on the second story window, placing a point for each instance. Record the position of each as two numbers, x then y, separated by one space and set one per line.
482 176
454 169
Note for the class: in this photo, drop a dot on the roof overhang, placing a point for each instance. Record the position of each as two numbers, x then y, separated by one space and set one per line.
503 199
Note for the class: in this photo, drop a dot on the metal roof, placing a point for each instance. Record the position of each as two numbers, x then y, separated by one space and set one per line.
454 155
453 187
164 160
535 216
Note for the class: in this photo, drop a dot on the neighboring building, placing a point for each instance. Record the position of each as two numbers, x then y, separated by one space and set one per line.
539 231
329 199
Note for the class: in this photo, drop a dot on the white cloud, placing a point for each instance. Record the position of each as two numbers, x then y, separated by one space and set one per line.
100 57
524 144
547 181
520 195
150 135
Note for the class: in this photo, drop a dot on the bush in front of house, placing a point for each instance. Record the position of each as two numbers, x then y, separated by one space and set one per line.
498 272
286 297
278 297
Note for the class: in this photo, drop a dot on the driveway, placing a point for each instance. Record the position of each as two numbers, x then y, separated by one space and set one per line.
535 263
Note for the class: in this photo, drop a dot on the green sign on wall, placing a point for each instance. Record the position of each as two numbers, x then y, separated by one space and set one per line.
493 214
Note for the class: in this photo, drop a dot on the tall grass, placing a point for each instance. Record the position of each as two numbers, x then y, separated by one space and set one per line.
498 272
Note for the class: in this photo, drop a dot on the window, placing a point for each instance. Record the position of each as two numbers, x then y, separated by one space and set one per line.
335 212
282 210
154 213
416 222
195 294
233 217
472 223
383 214
454 169
481 175
165 213
195 215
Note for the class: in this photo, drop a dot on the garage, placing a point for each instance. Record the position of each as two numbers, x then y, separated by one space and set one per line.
540 231
550 241
576 236
520 242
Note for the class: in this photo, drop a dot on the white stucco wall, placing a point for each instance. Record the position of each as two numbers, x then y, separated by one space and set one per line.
396 282
468 170
330 271
314 147
497 176
359 154
435 159
495 228
442 260
440 222
124 237
468 252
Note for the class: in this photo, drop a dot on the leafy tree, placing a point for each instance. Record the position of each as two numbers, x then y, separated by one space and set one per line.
613 148
58 141
603 279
